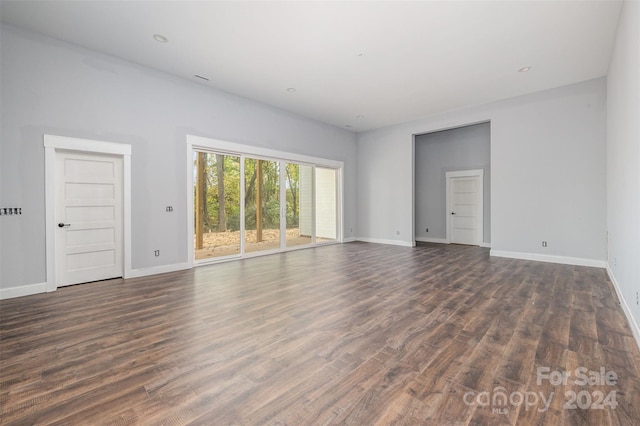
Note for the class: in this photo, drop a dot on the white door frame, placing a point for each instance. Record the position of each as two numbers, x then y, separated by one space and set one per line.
53 143
478 173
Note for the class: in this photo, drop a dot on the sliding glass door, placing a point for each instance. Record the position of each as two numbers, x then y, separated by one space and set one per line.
299 194
244 205
326 204
261 205
216 198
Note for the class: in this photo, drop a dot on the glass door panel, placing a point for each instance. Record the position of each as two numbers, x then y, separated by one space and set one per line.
262 205
216 186
299 212
326 205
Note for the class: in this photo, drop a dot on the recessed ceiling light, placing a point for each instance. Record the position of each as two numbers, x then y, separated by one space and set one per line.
160 38
524 69
291 89
201 77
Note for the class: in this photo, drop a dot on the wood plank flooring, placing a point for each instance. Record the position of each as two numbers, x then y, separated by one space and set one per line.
359 334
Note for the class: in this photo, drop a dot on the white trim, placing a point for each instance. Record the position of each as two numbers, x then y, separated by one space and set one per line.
126 215
283 206
477 173
86 145
189 204
53 143
350 240
162 269
633 325
23 290
314 182
50 216
318 244
384 241
432 240
258 253
340 206
576 261
243 219
444 241
458 125
306 246
267 154
413 188
218 259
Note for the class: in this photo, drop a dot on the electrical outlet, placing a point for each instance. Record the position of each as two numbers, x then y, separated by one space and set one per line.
544 244
169 209
351 230
156 253
427 229
397 232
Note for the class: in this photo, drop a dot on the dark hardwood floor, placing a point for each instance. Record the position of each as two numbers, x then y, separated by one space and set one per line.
358 334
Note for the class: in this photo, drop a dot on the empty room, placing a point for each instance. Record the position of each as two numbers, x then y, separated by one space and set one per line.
320 212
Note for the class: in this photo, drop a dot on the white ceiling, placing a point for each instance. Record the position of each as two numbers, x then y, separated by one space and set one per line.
366 64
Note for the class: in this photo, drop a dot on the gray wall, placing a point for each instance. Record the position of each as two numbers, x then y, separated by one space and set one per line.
623 159
548 173
56 88
463 148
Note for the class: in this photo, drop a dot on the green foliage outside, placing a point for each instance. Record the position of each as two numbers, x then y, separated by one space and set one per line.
230 167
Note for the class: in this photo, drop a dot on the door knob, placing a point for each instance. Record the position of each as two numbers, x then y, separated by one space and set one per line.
64 225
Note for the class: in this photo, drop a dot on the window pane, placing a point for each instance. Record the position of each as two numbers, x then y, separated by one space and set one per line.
326 206
262 205
299 215
216 205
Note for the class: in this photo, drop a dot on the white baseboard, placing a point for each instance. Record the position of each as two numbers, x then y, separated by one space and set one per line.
28 290
163 269
445 241
432 240
390 242
635 329
349 240
23 290
576 261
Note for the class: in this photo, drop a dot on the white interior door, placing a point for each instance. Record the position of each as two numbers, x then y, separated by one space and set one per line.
465 209
89 240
